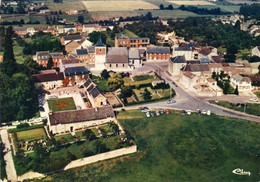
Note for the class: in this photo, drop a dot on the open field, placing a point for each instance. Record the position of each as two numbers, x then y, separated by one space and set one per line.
117 5
78 5
34 134
251 108
193 3
184 148
243 2
61 104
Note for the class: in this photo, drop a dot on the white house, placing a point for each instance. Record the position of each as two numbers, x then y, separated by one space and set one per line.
176 64
242 83
188 51
48 79
256 51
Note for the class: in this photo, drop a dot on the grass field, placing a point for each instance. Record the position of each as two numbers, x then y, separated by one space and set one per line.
193 3
179 148
117 5
78 5
257 94
243 2
34 134
251 108
61 104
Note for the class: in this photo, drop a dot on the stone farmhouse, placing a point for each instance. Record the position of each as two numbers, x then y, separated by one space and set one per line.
69 121
48 79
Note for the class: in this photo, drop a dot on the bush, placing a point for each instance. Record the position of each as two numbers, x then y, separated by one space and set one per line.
22 125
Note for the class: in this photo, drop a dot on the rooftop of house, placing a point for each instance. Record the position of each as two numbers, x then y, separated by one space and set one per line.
56 54
47 77
197 67
218 59
189 74
95 92
72 37
240 79
70 61
134 54
81 51
43 53
80 70
206 50
205 60
75 116
179 59
158 50
87 83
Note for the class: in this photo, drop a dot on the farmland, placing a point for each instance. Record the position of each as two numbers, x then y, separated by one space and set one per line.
192 3
117 5
243 2
184 148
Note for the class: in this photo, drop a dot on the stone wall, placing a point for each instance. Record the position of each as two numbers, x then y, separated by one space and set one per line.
101 157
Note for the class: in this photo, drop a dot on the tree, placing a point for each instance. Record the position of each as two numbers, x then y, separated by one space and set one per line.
105 74
126 91
170 7
236 91
100 147
50 63
214 75
9 62
116 81
93 37
146 94
81 19
114 127
32 65
237 25
161 6
259 70
89 134
69 156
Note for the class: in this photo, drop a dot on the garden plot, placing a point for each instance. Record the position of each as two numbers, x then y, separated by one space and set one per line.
61 104
94 6
193 3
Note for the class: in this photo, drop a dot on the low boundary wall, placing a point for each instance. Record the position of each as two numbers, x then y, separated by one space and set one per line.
101 157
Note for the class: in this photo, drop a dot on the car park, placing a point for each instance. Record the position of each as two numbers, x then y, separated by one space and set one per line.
171 101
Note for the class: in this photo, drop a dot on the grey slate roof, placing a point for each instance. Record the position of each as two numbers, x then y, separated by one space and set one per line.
75 116
158 50
43 53
240 79
81 70
87 83
91 49
179 59
197 67
94 92
81 51
99 42
134 54
38 78
72 37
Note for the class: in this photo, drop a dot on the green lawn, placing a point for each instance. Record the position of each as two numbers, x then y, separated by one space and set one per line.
34 134
251 108
79 134
179 148
66 138
141 79
62 104
102 84
257 94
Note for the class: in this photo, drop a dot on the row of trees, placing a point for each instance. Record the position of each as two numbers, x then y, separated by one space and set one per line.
18 96
203 11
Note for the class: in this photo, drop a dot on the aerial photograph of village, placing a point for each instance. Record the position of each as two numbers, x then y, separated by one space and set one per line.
130 90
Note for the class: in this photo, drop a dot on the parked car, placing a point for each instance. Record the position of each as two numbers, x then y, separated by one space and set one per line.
189 112
208 112
204 112
85 100
148 114
161 111
183 112
171 101
152 114
254 99
157 113
198 111
41 109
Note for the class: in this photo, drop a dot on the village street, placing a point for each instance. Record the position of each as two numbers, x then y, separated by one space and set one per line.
188 101
10 169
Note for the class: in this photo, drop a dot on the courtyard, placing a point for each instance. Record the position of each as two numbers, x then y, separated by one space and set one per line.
61 104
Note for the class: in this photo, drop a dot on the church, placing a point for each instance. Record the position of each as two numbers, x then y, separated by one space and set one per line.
116 58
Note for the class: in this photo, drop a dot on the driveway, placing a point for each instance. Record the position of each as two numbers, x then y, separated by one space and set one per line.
10 169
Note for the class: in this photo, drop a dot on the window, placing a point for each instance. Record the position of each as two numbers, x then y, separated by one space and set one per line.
123 65
116 65
110 65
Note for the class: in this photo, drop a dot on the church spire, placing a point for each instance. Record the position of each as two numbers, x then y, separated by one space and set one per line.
99 42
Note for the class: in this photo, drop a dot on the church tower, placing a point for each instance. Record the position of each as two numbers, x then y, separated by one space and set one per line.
100 54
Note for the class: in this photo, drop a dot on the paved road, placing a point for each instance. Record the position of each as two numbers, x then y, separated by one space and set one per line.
10 169
188 101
